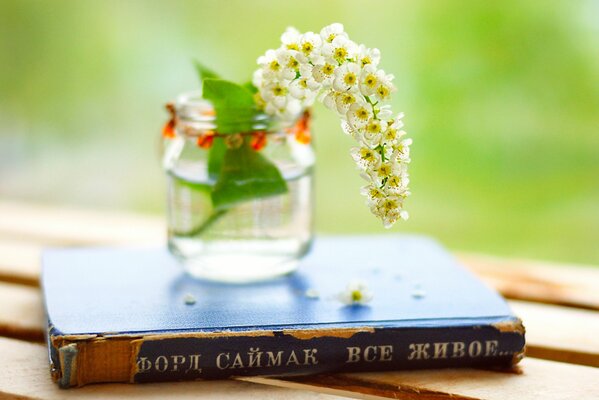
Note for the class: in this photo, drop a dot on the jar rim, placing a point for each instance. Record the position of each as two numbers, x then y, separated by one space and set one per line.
190 107
194 116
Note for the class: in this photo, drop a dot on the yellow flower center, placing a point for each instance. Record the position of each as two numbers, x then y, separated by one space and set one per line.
293 63
348 99
328 69
331 38
303 83
375 193
393 181
349 78
383 91
340 53
356 295
374 127
365 61
389 205
367 155
274 65
278 90
370 80
292 46
361 113
384 170
307 48
391 134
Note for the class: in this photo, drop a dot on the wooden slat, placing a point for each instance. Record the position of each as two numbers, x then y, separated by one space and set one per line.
543 282
552 332
62 226
538 379
20 262
560 334
21 312
25 375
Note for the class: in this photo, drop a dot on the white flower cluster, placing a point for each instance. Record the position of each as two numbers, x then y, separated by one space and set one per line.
345 77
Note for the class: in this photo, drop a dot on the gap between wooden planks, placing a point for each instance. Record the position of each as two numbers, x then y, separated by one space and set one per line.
26 229
552 332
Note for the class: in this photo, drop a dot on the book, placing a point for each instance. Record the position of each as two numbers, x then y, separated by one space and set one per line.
125 315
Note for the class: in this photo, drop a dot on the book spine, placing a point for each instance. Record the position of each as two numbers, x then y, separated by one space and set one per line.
217 355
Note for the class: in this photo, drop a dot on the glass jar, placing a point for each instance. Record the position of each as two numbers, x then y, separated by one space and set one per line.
262 235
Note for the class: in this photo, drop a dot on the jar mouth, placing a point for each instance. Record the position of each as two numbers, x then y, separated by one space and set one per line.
196 115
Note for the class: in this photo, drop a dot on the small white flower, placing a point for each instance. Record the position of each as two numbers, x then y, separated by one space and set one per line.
391 218
258 78
389 210
358 115
395 184
345 100
291 38
394 132
306 71
348 129
310 46
300 89
366 158
347 77
292 110
329 99
340 49
330 32
384 90
368 56
372 192
402 150
373 132
289 61
356 293
276 93
368 80
270 64
324 73
384 112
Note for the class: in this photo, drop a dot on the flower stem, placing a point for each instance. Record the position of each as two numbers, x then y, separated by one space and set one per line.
202 227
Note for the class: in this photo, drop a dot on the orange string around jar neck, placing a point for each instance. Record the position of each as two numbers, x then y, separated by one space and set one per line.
205 138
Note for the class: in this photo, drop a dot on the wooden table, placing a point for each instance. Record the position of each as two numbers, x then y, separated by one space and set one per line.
558 303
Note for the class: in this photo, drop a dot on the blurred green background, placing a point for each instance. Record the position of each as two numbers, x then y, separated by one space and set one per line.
501 99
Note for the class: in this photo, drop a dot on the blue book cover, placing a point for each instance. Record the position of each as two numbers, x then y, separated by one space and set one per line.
125 315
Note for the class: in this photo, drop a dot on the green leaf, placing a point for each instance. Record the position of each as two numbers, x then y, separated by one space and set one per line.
215 157
250 87
204 72
195 186
234 105
227 95
246 175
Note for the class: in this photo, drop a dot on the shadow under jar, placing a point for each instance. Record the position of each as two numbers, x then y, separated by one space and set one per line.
260 236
